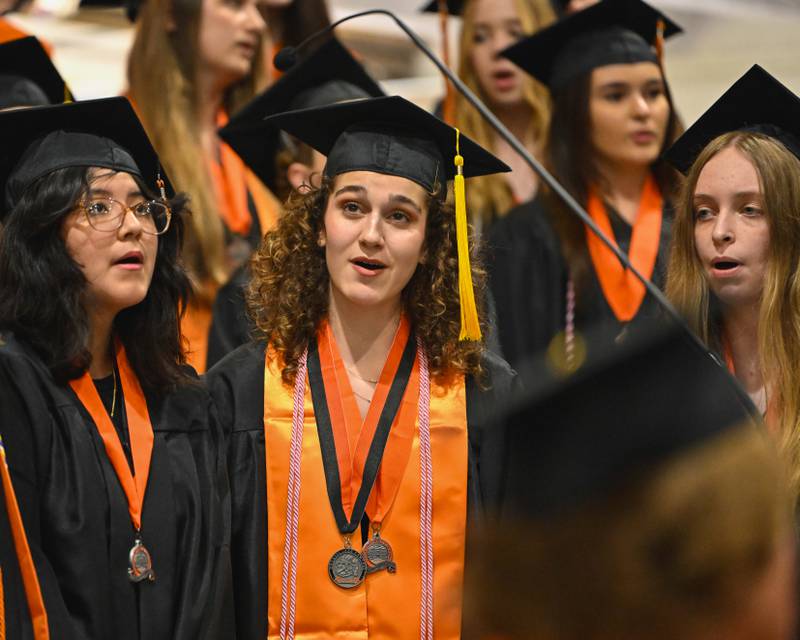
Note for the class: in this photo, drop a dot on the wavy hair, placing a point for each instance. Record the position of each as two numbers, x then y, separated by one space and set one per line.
779 313
570 156
43 290
162 74
289 291
491 196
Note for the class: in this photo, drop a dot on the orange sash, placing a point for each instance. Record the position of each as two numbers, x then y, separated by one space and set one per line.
385 605
228 175
621 288
139 426
30 580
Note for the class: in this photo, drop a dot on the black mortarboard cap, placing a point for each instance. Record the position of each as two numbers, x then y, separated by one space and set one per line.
329 74
609 32
454 7
755 102
387 135
629 407
92 133
28 77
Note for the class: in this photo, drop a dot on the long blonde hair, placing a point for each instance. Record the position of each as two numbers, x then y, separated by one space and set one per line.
162 73
491 196
779 313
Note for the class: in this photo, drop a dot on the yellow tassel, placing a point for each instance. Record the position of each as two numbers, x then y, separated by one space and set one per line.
470 327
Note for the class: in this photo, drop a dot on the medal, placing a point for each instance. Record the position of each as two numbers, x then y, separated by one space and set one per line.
347 568
141 563
377 553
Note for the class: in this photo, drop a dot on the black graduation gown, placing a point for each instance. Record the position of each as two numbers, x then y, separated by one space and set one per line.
528 279
230 327
15 618
76 514
237 387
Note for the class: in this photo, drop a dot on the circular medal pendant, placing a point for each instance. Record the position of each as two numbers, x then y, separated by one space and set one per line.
347 568
141 564
377 554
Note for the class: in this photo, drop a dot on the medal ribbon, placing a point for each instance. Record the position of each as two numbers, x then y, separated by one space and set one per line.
350 477
621 288
27 569
139 427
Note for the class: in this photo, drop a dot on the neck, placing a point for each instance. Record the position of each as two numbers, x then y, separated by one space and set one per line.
622 187
100 326
364 339
740 325
210 96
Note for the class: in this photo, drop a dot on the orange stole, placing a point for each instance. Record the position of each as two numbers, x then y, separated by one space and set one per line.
385 605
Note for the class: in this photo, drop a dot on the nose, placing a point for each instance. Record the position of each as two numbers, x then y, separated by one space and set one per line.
254 19
131 225
723 232
640 105
372 230
500 41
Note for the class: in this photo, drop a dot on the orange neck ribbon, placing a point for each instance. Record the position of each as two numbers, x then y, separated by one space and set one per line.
353 440
30 580
230 185
139 427
623 291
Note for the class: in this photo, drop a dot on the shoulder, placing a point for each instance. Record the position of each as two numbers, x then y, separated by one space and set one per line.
527 220
20 364
236 385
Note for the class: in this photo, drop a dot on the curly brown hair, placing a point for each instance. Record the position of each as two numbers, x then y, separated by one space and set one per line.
288 295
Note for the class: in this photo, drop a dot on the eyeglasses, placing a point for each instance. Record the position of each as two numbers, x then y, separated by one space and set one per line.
106 214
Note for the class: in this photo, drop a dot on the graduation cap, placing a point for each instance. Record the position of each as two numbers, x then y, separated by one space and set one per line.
626 409
393 136
327 75
454 7
756 102
28 77
92 133
609 32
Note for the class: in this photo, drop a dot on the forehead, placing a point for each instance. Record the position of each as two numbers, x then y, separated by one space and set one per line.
634 73
380 186
109 180
730 169
487 12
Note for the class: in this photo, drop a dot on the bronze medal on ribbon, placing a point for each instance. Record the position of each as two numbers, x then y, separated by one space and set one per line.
141 563
377 554
347 568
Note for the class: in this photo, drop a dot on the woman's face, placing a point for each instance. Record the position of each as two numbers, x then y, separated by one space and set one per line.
496 26
374 234
731 231
628 113
118 265
228 39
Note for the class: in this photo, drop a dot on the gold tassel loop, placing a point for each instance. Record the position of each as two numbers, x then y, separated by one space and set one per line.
659 43
470 327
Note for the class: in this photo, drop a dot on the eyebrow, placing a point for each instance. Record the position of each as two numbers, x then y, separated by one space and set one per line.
738 195
396 197
357 188
105 192
393 197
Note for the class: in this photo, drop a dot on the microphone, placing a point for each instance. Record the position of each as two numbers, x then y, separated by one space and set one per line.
288 56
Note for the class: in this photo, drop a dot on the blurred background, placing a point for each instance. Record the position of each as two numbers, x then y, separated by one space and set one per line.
722 39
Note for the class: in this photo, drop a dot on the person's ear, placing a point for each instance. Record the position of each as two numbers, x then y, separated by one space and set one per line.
321 238
298 174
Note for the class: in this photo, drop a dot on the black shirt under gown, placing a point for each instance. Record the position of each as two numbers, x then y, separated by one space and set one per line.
528 279
237 386
76 514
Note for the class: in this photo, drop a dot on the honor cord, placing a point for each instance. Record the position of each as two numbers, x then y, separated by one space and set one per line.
426 497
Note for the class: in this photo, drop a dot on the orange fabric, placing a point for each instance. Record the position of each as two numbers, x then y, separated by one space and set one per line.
352 438
621 288
268 207
139 427
195 325
228 176
30 580
386 606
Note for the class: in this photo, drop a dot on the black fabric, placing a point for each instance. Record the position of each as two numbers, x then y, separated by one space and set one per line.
629 407
106 390
16 91
454 7
76 514
609 32
756 102
328 74
230 326
528 280
388 135
237 386
92 133
26 58
15 618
